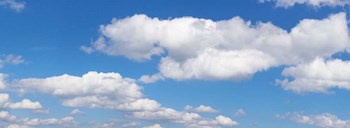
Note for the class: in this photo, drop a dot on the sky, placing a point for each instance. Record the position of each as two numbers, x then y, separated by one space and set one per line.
174 64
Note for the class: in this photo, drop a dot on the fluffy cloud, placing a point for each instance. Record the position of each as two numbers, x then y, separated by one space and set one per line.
8 118
18 126
319 75
107 90
201 108
324 120
112 91
13 4
314 3
24 104
191 120
231 49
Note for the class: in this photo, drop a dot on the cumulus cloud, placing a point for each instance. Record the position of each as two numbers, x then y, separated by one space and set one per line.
13 4
191 120
112 91
234 49
104 90
5 116
24 104
314 3
324 120
320 75
201 108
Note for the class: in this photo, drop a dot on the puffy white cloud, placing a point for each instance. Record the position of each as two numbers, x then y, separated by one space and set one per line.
231 49
107 90
154 126
151 79
324 120
201 108
13 4
319 75
314 3
112 91
191 120
5 116
24 104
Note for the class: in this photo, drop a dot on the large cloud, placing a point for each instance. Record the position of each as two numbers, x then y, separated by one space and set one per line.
319 75
112 91
325 120
314 3
193 48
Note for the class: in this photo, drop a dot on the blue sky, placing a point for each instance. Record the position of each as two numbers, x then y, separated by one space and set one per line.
192 64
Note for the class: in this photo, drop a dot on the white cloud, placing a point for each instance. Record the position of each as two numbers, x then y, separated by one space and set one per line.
151 79
240 112
314 3
231 49
324 120
191 120
112 91
3 82
154 126
319 75
24 104
201 108
76 112
10 59
13 4
104 90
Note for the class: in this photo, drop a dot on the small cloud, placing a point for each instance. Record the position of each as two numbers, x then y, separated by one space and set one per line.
201 108
151 79
240 112
13 4
76 112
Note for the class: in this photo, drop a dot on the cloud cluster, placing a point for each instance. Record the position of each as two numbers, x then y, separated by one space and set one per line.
319 75
314 3
24 104
324 120
13 4
112 91
234 49
5 116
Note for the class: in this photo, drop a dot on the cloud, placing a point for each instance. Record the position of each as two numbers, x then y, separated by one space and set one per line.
233 49
13 4
103 90
191 120
24 104
10 59
112 91
154 126
151 79
5 116
324 120
314 3
76 112
319 75
201 108
240 112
